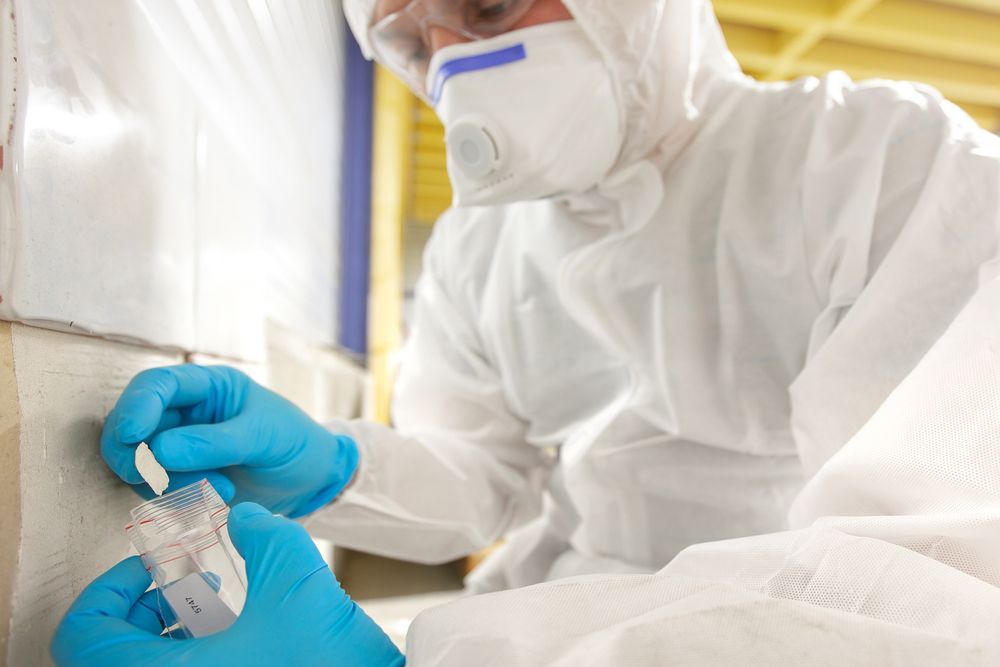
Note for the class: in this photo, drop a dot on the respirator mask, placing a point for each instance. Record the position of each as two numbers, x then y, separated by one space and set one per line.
528 114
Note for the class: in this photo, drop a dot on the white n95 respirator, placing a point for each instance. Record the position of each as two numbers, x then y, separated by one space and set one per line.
527 115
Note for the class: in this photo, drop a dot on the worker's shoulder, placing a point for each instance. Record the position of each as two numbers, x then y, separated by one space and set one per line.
845 112
826 127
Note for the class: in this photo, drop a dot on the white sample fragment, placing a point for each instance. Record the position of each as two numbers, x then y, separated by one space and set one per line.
150 469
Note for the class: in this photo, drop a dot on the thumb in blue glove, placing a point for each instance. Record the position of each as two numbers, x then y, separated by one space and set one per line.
296 613
214 422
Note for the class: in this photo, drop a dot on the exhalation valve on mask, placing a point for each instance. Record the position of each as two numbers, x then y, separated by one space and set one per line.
476 148
529 114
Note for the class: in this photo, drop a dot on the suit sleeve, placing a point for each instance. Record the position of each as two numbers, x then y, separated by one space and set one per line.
455 473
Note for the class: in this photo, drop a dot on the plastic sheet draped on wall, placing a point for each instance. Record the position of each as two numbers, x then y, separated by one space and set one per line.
170 170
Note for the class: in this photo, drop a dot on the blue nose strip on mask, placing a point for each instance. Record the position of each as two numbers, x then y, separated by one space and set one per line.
482 61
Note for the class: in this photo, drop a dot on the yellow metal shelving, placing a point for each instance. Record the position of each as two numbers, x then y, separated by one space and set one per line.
953 45
392 187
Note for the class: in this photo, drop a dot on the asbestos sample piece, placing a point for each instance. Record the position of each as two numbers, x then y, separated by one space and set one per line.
150 469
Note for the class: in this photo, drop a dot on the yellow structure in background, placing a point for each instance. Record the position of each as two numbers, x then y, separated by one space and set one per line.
431 189
392 152
953 45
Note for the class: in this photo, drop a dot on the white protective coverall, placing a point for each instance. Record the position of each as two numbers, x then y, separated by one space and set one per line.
614 376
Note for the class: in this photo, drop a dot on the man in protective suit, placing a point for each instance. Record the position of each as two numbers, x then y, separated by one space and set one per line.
671 306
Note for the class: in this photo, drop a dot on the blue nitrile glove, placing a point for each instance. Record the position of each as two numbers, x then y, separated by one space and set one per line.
214 422
295 613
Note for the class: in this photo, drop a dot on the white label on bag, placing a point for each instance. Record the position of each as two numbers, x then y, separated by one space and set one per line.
197 606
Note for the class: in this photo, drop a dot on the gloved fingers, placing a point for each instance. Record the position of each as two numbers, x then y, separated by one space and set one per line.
172 418
178 480
151 392
280 556
142 408
222 484
203 446
97 629
115 592
151 613
120 456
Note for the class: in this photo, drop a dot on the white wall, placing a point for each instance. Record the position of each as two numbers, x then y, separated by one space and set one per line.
72 507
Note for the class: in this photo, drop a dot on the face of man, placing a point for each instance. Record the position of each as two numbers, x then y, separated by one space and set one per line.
435 24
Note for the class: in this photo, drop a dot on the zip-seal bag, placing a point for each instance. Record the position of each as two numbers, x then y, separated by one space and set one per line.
184 543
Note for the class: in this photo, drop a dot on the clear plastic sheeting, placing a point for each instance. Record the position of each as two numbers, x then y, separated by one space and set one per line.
171 174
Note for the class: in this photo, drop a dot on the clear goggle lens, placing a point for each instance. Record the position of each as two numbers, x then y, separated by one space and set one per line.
402 42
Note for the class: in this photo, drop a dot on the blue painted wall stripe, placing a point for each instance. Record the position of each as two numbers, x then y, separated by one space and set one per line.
355 192
511 54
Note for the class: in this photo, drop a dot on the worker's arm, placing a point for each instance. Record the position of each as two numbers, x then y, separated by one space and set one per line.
216 423
453 479
456 472
895 562
897 247
295 612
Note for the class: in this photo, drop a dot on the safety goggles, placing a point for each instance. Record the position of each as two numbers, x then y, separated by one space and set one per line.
401 40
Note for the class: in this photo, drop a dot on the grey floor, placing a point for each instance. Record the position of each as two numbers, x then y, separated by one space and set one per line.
367 577
393 592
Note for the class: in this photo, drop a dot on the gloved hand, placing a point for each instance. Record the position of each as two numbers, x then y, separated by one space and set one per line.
216 423
295 613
